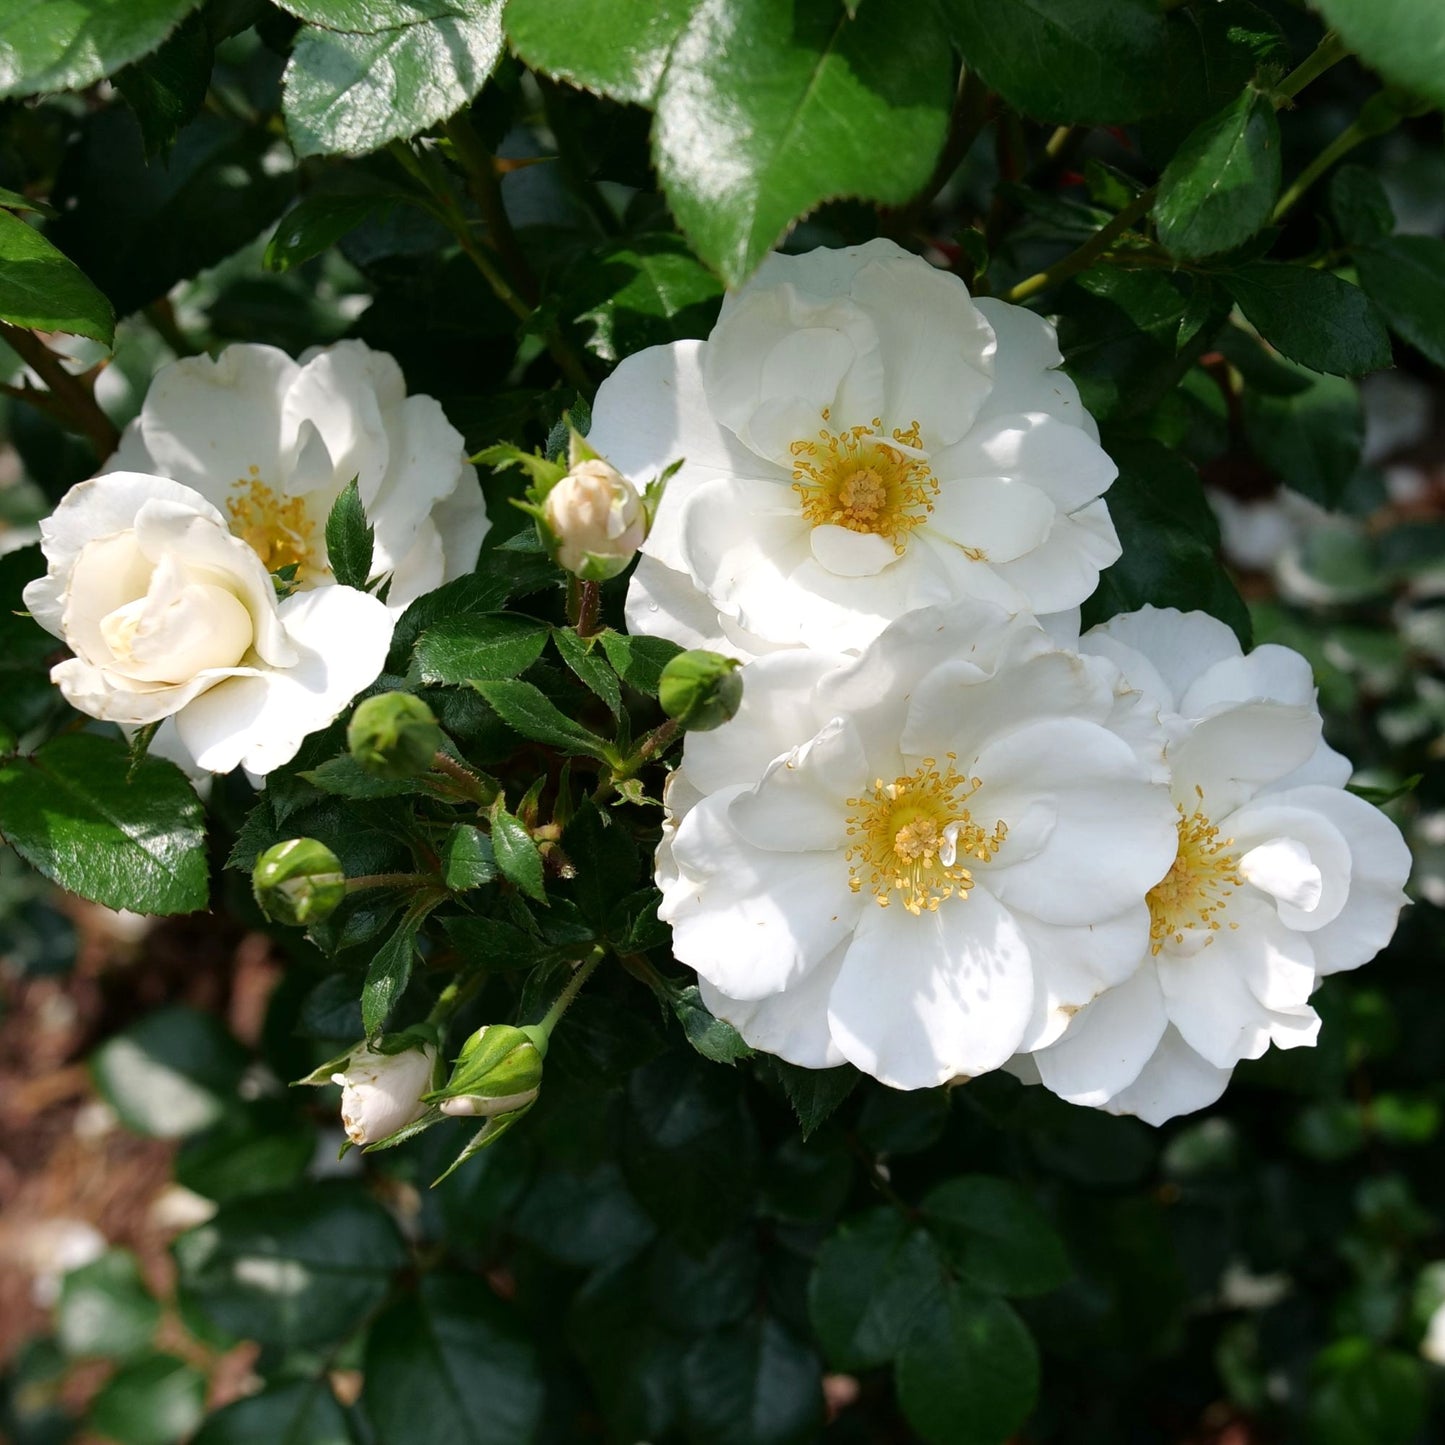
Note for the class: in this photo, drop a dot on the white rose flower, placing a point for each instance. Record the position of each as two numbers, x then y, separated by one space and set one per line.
860 438
917 858
1280 876
272 442
381 1093
598 519
170 615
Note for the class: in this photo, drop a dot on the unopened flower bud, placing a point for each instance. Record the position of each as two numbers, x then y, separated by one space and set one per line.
394 735
300 881
381 1093
596 519
702 690
498 1071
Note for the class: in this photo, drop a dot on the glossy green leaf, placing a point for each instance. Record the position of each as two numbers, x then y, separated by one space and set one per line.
1222 183
301 1412
166 89
996 1235
388 975
527 710
105 1310
591 666
158 1400
1405 277
712 1037
297 1269
69 44
349 538
752 1384
367 16
467 859
767 110
516 854
1312 438
170 1074
42 290
464 649
617 50
1402 39
875 1279
815 1093
968 1373
134 842
450 1362
1312 317
348 93
319 222
639 660
1068 60
1360 206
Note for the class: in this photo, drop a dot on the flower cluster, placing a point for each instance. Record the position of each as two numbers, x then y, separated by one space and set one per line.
941 836
192 579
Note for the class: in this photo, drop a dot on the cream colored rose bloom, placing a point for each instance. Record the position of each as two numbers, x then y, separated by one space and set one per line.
598 519
171 615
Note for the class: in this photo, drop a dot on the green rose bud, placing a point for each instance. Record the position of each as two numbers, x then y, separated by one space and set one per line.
702 690
299 881
498 1071
394 735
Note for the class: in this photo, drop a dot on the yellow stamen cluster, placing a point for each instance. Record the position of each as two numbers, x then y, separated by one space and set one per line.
1197 887
913 835
859 480
278 528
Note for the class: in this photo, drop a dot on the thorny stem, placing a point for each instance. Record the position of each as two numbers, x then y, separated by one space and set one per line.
71 399
467 782
573 987
657 741
486 191
1328 52
389 880
454 995
584 601
1363 128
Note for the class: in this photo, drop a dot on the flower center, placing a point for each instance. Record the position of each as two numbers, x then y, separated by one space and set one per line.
861 480
1195 890
278 528
912 835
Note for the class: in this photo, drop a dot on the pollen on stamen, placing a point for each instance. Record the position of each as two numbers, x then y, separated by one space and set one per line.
1197 888
912 835
277 528
865 480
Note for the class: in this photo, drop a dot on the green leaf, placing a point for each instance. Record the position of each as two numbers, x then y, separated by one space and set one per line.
487 647
172 1073
167 89
467 859
767 110
71 46
42 290
815 1093
968 1374
617 50
1074 61
639 661
1405 277
350 538
517 855
1170 537
319 222
155 1401
1367 1396
495 945
1314 318
302 1412
527 710
1222 183
388 975
752 1384
256 1149
292 1270
1402 39
105 1310
1312 438
349 93
996 1235
69 811
451 1363
712 1037
367 16
1359 205
27 696
344 777
874 1280
591 667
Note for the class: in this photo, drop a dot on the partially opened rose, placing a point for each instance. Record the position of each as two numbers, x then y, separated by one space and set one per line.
912 859
171 615
1280 876
271 442
860 438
